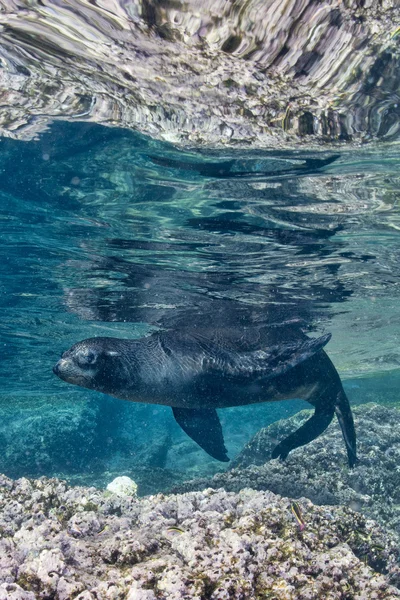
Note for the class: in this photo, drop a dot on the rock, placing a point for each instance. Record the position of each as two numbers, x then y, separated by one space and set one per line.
136 593
319 471
226 545
44 571
68 441
123 486
85 596
54 438
68 589
12 591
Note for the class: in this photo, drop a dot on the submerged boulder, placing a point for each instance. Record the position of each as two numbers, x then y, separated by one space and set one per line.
88 443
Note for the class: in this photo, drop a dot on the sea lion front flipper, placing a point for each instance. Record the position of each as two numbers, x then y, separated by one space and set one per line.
311 429
203 426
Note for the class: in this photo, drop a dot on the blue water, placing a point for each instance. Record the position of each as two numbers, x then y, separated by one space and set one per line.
105 232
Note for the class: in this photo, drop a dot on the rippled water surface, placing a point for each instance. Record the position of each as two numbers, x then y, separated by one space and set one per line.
250 73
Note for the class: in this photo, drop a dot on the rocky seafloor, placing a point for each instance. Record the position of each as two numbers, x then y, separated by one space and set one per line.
63 542
319 471
59 541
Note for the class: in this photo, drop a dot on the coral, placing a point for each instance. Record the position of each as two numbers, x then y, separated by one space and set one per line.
64 542
123 486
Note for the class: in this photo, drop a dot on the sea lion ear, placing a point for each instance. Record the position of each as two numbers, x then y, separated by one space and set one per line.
112 353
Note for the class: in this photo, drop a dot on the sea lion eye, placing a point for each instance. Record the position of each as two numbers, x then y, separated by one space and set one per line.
87 358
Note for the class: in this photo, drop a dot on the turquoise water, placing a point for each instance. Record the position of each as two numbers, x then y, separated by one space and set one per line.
105 232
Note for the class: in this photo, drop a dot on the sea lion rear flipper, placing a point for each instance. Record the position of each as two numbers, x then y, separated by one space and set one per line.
346 422
311 429
203 426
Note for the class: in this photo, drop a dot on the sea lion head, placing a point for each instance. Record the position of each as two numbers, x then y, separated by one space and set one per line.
96 363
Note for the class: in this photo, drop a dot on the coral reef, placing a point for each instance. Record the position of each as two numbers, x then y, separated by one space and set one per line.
61 542
319 471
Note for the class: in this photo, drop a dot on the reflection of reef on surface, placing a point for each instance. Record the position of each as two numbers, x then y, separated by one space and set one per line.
81 543
204 73
319 471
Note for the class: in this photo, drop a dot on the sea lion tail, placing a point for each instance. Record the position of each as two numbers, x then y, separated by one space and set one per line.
346 422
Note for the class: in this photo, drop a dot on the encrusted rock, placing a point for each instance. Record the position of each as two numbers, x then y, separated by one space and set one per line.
319 470
123 486
12 591
79 542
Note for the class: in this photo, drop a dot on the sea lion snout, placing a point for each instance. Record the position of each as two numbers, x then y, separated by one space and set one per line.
68 370
59 367
56 369
63 368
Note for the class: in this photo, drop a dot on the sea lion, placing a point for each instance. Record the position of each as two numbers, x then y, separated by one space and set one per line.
195 372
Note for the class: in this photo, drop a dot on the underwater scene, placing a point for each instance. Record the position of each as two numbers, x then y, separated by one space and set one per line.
200 300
